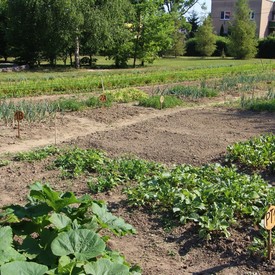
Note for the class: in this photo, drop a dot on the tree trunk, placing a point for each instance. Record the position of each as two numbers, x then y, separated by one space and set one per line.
76 54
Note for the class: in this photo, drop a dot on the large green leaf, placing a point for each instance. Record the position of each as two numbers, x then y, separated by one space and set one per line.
5 237
60 221
107 220
23 268
54 199
84 244
7 252
106 267
10 254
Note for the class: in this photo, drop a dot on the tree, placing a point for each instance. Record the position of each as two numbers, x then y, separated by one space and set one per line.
206 39
152 29
118 14
3 27
24 30
243 43
194 21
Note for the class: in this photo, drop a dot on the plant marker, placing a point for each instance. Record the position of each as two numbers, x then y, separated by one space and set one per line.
18 115
269 223
161 99
55 129
103 98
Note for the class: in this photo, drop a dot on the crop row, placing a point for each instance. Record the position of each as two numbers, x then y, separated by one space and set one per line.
87 82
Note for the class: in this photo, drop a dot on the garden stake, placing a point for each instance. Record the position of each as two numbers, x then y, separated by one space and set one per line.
161 99
269 245
18 115
55 129
269 223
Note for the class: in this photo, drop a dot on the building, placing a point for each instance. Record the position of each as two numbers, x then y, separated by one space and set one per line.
262 11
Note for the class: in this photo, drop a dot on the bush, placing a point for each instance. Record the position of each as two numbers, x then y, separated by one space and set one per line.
266 47
191 45
221 46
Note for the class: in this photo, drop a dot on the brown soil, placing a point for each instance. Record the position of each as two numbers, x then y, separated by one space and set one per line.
181 135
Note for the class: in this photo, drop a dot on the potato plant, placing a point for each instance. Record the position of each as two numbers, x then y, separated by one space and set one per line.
258 153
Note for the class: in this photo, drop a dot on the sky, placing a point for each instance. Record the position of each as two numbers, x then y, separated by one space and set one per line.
198 9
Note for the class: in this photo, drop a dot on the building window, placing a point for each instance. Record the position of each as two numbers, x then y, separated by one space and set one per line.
225 15
252 15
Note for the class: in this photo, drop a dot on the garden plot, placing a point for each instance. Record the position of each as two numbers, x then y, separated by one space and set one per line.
172 136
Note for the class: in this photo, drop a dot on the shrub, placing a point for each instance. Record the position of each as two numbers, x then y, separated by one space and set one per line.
191 47
221 46
266 47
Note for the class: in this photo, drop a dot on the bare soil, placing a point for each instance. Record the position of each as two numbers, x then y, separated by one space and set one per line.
196 135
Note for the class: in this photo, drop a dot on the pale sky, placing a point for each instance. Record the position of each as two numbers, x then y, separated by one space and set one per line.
198 9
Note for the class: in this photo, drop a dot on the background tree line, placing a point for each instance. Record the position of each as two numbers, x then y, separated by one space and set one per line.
36 30
33 31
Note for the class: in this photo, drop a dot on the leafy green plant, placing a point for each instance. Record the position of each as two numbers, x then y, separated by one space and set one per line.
4 162
127 95
37 154
57 233
256 153
213 196
191 92
259 104
154 102
106 173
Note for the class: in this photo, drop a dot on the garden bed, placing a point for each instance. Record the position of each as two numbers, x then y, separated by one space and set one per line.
173 136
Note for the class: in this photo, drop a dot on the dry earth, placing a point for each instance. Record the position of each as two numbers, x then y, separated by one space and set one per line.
181 135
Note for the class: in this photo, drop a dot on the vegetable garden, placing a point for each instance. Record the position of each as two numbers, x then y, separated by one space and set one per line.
176 188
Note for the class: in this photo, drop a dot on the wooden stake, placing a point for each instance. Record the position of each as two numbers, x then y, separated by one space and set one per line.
269 245
18 127
55 130
102 84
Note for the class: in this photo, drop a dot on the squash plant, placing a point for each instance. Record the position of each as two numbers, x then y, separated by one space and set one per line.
57 233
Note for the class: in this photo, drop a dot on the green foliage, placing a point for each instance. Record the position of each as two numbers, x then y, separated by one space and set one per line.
213 196
69 104
165 71
256 153
259 104
222 44
152 31
154 102
108 172
38 154
58 233
266 47
75 162
243 43
205 38
4 162
127 95
192 92
191 47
